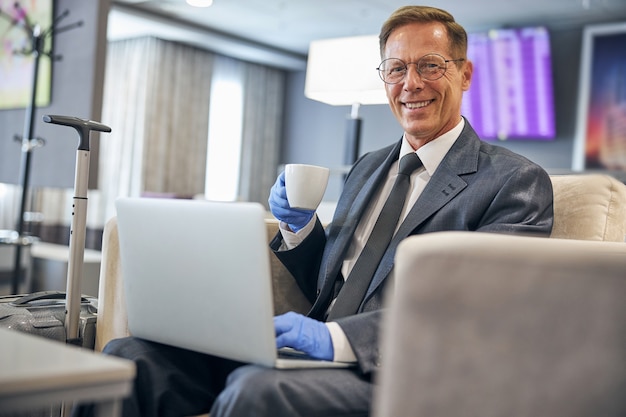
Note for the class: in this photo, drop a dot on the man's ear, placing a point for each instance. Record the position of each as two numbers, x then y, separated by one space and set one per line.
466 72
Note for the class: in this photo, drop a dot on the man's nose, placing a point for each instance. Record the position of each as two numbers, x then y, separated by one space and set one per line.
413 79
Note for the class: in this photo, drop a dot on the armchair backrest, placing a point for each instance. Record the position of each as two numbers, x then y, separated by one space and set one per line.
491 325
589 207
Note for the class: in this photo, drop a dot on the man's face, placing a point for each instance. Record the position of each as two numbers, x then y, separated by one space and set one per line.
425 109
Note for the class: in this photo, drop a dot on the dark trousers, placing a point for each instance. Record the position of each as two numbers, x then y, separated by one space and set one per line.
176 382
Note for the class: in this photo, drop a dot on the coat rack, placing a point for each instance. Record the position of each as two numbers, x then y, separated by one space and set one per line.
37 38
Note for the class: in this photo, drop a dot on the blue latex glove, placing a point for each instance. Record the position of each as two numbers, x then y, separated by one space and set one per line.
279 206
304 334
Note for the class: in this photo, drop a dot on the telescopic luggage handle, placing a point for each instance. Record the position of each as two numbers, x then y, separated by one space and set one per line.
82 126
79 219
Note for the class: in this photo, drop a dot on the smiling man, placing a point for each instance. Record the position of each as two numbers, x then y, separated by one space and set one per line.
460 183
437 176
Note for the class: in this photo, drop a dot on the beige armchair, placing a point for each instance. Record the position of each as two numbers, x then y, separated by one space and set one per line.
586 208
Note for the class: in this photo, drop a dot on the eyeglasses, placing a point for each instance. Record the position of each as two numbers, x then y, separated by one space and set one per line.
430 67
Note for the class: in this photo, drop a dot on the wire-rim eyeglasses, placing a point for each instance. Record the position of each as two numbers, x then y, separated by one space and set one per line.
431 67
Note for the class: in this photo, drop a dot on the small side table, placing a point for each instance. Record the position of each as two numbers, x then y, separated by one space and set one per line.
36 372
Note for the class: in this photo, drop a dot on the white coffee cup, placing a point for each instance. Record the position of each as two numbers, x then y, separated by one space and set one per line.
305 185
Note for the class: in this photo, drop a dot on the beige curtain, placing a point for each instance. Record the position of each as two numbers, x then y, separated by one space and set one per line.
264 90
176 128
156 100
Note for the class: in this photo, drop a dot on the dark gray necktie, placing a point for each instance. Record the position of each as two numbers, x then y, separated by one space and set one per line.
353 292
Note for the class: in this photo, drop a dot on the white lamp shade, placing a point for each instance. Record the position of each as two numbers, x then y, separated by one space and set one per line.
342 71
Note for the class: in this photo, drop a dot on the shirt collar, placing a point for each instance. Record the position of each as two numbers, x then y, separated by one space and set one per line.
432 153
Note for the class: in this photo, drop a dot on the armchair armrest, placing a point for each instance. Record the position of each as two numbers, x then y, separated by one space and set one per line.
112 320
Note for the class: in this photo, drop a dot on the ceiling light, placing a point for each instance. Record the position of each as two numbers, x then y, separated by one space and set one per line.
200 3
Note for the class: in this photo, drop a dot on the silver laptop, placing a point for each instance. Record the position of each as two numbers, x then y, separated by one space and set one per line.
197 276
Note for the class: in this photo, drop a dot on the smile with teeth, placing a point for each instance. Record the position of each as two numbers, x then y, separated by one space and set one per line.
419 104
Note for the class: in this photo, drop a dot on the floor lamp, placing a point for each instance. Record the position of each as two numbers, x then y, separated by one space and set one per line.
342 72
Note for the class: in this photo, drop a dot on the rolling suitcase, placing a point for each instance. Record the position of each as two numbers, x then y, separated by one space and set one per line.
62 316
43 314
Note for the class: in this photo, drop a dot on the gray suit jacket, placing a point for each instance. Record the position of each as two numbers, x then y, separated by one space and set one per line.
477 187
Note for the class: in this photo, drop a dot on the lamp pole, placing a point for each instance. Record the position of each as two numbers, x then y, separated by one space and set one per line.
353 135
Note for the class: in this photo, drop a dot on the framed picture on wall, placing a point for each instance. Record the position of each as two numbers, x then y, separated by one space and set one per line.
18 21
601 126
